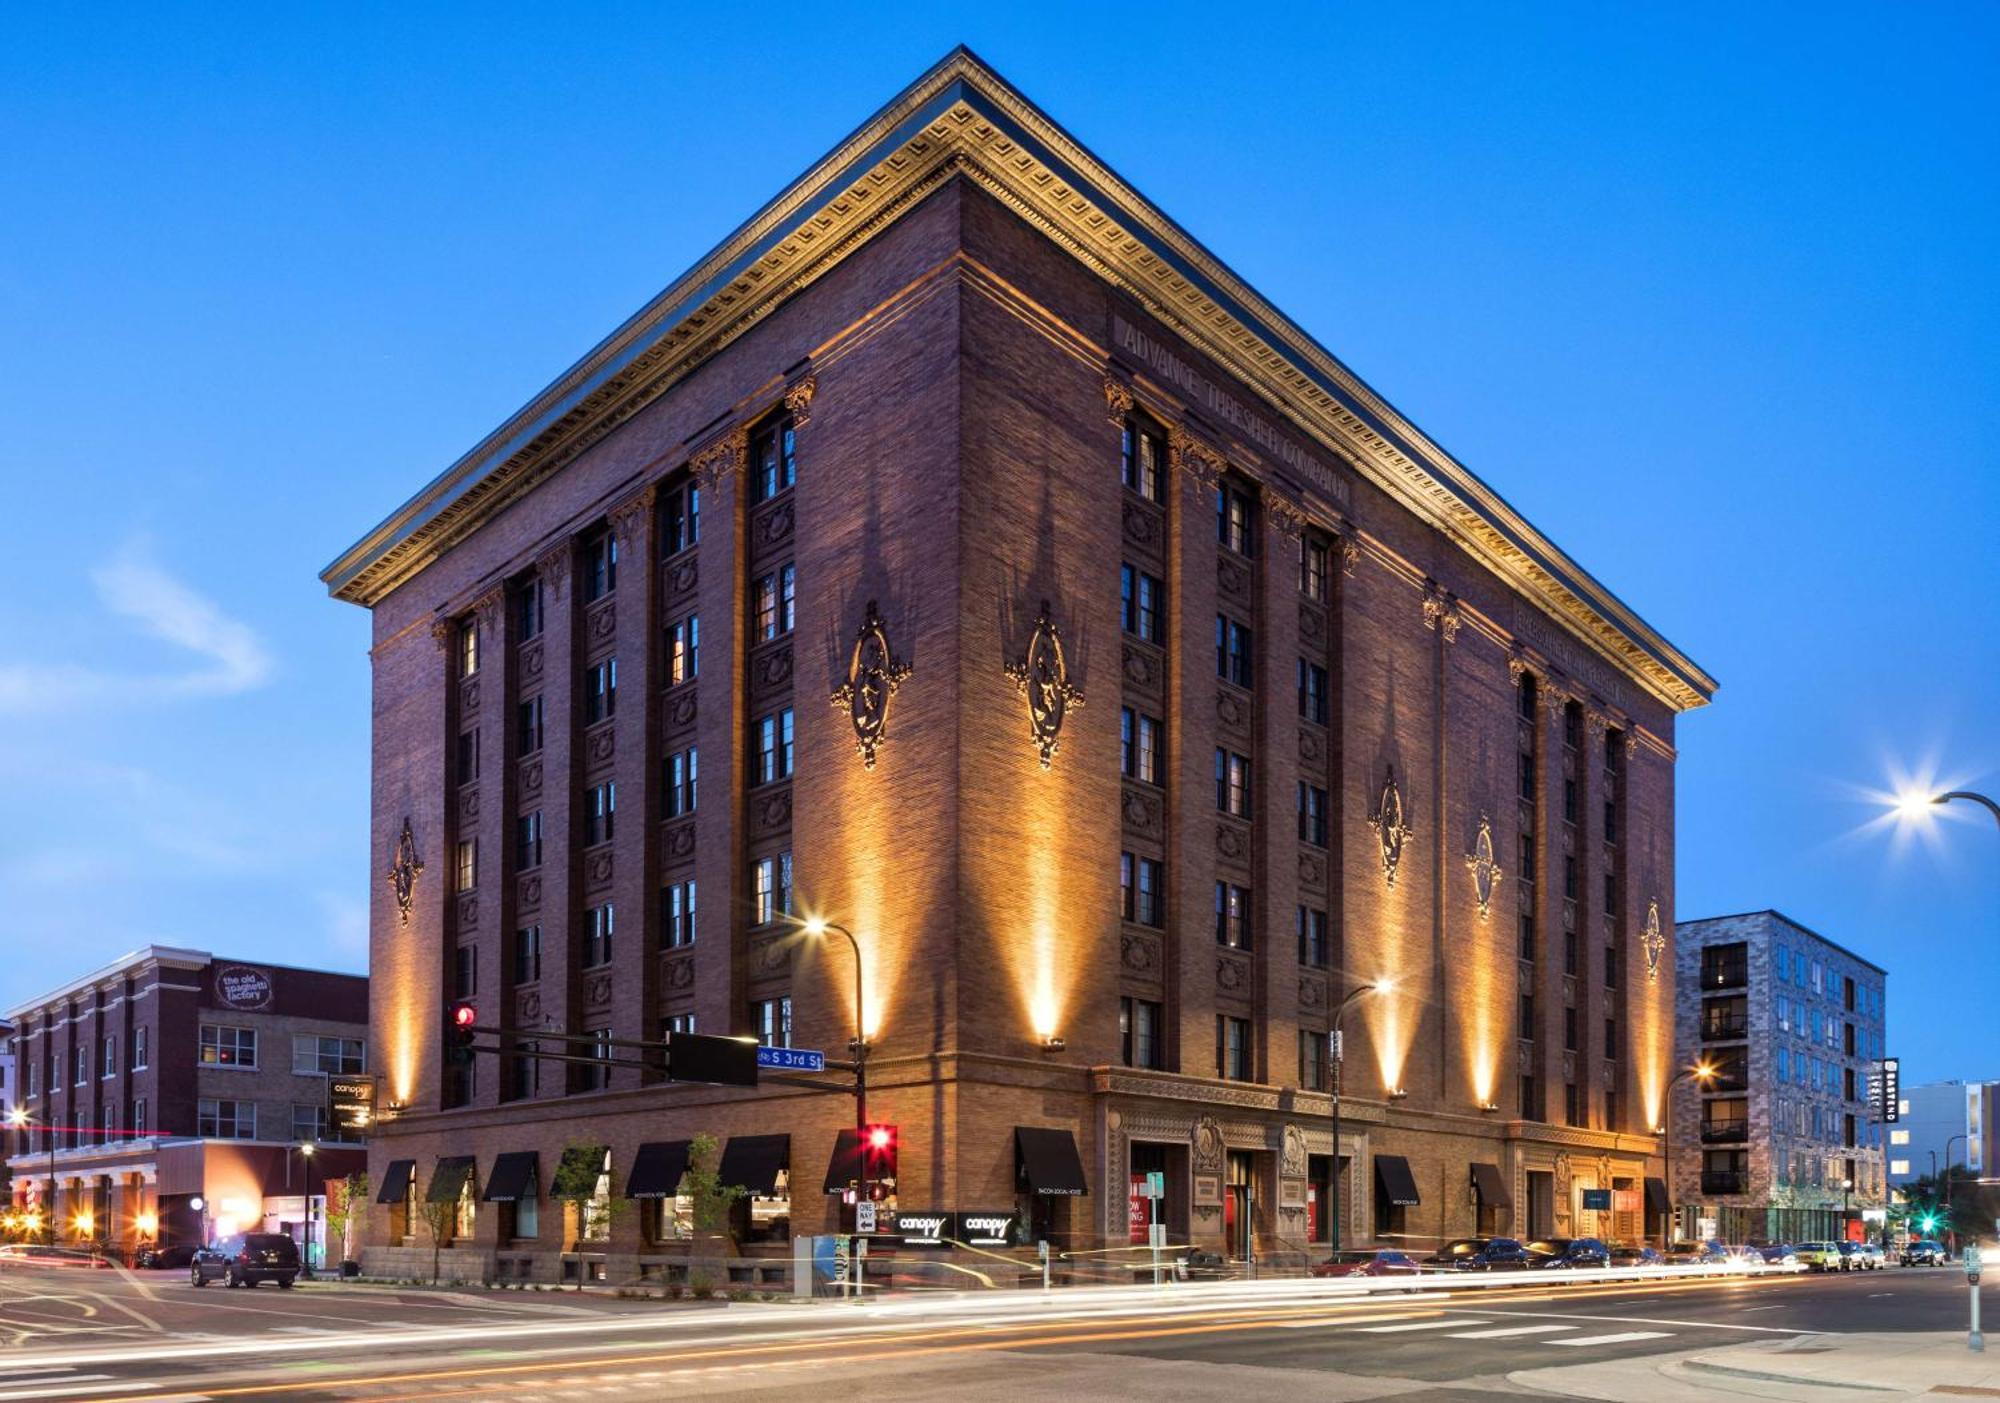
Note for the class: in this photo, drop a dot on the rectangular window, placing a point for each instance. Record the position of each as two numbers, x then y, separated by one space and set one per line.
1610 1039
468 756
1142 884
1527 935
1313 558
1569 801
1232 916
1611 966
679 775
1232 783
1569 953
680 518
228 1047
226 1120
1232 520
677 913
1312 1060
1143 603
771 888
82 1066
600 566
528 725
1572 1105
138 1117
1569 1028
1610 821
1139 1029
1312 692
1142 457
141 1050
771 1019
1312 937
528 841
1232 1048
684 650
597 1079
108 1057
1232 651
600 813
773 460
528 611
774 746
1312 814
598 925
466 866
464 972
313 1056
600 691
1526 772
1525 1009
676 1023
1139 746
527 954
774 598
1569 876
468 648
308 1123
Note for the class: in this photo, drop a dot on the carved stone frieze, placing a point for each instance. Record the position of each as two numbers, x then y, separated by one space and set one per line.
1139 954
1286 519
775 525
601 624
1139 666
528 891
1206 1146
774 668
1041 675
1312 623
601 744
773 811
468 805
1142 812
528 1008
1441 611
1232 973
531 779
681 707
628 516
1232 842
468 910
597 866
1203 466
717 461
874 673
1232 579
683 575
554 568
1312 869
679 972
597 991
1117 401
531 661
1312 993
772 954
1230 708
679 841
468 696
1142 523
1312 745
1292 1159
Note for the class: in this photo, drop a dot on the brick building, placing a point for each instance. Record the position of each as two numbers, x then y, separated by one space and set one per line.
1793 1025
173 1075
955 433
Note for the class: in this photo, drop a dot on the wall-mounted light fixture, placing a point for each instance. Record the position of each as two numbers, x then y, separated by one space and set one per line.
1489 1107
1052 1043
1397 1093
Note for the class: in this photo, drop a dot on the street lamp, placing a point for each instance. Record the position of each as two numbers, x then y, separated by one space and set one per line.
817 927
1380 986
1703 1073
306 1153
1916 804
19 1116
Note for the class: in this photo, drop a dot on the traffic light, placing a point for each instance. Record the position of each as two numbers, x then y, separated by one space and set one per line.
878 1154
458 1033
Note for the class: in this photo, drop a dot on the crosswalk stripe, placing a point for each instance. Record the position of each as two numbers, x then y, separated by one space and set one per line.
9 1375
41 1391
1508 1331
1618 1339
1418 1325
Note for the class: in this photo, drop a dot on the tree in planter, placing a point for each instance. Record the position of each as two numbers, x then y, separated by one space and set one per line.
582 1183
346 1201
709 1203
440 1217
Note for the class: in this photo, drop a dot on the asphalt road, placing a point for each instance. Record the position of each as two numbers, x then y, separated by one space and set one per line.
82 1335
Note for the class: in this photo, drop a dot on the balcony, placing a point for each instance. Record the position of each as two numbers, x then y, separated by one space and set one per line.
1722 1131
1724 974
1725 1027
1724 1181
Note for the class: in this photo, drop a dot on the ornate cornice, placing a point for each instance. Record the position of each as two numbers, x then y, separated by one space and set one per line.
961 120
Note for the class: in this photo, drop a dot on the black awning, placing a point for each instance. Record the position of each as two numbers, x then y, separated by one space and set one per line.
1656 1196
1492 1188
843 1171
449 1179
752 1162
657 1169
513 1177
396 1181
1046 1161
1398 1185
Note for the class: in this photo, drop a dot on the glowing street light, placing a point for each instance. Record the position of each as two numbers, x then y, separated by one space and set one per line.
817 927
1703 1072
1920 805
1334 1051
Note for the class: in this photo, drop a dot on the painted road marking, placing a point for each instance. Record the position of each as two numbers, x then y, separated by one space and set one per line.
1509 1331
40 1391
1418 1325
1617 1339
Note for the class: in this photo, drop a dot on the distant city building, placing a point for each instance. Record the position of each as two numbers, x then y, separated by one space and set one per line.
169 1092
1951 1120
9 1097
1784 1137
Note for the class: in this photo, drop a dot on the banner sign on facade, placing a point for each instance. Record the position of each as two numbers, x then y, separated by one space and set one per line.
350 1102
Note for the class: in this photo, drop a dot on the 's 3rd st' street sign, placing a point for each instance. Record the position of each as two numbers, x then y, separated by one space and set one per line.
791 1059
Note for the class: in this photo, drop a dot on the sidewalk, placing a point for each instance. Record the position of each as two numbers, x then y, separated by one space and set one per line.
1807 1368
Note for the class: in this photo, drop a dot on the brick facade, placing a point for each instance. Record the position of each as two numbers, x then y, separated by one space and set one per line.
960 387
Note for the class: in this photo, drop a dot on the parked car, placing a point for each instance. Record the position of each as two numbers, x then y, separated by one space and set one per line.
1566 1252
1368 1261
1922 1252
1742 1256
1203 1266
1697 1254
246 1259
1869 1256
34 1254
158 1258
1820 1256
1482 1254
1779 1254
1630 1256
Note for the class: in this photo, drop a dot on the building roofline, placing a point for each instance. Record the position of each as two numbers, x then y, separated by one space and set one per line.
961 117
1800 926
179 957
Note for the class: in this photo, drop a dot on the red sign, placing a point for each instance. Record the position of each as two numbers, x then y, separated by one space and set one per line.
1139 1210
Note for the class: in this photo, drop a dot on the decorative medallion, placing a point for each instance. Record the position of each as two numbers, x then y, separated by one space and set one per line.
1042 676
404 869
1486 873
873 675
1653 939
1392 829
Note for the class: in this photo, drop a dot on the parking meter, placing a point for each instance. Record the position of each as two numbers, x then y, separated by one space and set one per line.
1972 1263
1974 1341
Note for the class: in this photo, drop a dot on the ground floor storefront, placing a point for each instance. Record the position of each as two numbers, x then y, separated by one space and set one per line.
126 1197
985 1160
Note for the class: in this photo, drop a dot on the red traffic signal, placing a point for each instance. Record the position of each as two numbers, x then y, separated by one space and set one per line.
878 1153
458 1036
464 1015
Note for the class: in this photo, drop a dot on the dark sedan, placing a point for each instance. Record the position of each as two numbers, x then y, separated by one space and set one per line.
1482 1254
1368 1261
165 1258
1565 1252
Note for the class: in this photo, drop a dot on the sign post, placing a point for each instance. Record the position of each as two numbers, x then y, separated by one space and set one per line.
1156 1189
1974 1341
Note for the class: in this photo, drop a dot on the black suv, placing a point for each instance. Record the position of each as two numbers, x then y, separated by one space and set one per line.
246 1259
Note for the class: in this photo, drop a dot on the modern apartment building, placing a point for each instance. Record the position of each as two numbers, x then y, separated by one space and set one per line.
963 554
1783 1143
1944 1124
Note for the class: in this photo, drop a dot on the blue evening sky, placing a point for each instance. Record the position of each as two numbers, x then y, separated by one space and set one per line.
1710 296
